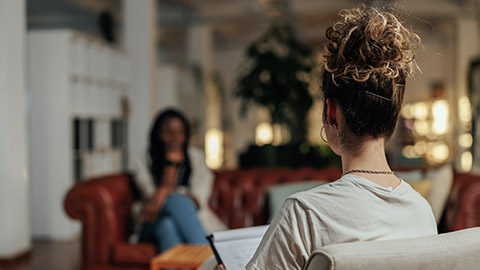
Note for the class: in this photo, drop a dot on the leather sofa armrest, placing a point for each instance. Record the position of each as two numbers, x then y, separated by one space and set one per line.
463 207
103 207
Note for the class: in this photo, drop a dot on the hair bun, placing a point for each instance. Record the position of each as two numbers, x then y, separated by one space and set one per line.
366 42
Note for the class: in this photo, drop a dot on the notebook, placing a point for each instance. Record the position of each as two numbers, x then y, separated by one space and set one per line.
235 248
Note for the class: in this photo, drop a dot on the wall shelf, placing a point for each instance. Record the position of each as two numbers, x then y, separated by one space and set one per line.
77 88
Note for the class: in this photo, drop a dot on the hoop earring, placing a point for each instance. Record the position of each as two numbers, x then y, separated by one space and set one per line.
323 139
321 134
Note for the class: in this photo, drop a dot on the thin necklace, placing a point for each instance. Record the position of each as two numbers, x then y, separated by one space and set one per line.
367 171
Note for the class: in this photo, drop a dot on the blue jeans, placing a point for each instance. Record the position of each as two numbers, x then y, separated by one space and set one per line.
176 223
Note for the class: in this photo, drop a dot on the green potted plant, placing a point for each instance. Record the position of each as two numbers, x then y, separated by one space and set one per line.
276 77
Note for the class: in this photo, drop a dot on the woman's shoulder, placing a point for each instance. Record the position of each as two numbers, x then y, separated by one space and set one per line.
330 193
325 189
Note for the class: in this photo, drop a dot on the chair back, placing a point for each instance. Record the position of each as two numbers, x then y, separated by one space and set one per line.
454 250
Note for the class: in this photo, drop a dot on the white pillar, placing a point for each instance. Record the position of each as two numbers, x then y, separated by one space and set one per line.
167 90
14 211
200 49
200 55
139 40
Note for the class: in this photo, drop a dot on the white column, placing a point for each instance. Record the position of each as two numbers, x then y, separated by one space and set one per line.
200 54
167 90
200 49
14 211
140 39
198 46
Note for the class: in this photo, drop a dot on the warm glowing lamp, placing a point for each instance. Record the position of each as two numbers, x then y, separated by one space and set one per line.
466 161
420 147
408 111
421 127
465 140
440 117
409 152
440 152
464 110
263 134
420 110
214 148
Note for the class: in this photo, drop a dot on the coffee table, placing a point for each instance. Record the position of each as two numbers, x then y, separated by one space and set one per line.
182 256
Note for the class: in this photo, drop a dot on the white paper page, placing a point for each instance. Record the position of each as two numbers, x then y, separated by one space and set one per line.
236 247
236 254
235 234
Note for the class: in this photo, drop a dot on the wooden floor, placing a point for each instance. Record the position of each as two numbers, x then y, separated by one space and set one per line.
50 255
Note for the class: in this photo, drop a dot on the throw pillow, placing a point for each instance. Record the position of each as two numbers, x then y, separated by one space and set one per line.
421 186
413 175
438 196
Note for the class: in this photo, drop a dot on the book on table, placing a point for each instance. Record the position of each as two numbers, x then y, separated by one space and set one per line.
235 248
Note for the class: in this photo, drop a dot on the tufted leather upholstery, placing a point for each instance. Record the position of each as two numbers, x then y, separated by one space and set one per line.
238 197
463 207
103 206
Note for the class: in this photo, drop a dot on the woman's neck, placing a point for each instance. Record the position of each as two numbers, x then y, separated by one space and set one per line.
370 157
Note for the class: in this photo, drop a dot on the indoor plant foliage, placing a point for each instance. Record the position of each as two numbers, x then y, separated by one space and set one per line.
276 77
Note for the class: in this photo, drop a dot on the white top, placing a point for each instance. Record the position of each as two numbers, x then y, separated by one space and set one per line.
200 185
347 210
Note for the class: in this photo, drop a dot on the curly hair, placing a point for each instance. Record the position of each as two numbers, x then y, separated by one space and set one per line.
369 55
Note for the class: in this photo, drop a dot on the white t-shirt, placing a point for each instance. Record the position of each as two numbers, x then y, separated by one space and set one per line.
347 210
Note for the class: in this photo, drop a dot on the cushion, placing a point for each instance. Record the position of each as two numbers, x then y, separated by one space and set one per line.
455 250
438 196
413 175
278 193
422 186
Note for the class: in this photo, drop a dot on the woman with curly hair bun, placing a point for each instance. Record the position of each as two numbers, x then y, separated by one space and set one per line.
368 58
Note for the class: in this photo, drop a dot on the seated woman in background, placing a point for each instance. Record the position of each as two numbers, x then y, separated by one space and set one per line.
368 57
175 185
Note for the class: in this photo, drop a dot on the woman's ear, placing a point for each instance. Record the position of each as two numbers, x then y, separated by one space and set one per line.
331 112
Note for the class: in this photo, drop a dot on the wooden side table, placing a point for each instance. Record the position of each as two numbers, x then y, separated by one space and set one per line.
182 256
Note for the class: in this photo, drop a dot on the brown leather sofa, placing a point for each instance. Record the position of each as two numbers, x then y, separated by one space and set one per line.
239 197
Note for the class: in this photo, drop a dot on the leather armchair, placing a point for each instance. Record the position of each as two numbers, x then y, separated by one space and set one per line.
103 206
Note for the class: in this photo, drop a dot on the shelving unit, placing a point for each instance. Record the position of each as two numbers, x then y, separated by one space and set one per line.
77 96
